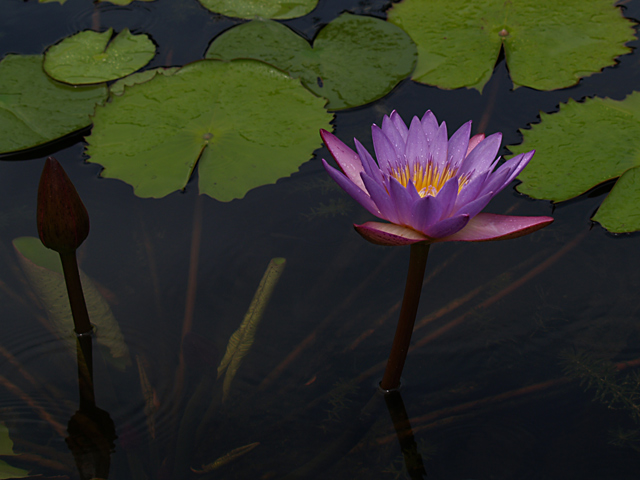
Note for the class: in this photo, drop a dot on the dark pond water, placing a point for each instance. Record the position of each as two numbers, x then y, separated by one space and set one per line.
485 388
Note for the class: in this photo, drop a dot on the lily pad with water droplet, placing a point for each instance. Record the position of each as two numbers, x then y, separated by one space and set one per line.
354 59
34 109
548 44
280 9
93 57
584 145
245 123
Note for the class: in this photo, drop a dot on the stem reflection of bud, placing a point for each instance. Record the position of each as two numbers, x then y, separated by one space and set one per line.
63 221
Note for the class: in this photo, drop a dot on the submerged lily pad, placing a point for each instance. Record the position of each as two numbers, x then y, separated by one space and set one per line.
245 123
548 44
581 146
6 449
34 109
261 8
43 270
123 2
354 59
85 57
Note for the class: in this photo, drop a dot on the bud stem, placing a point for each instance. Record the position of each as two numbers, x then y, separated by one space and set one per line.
74 289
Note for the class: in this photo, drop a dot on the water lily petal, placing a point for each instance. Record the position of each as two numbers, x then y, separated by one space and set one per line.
400 125
438 148
488 226
392 133
496 182
447 227
458 145
417 149
389 234
388 157
347 159
474 141
381 198
425 212
470 191
359 195
524 161
402 201
447 197
475 207
368 163
483 155
430 126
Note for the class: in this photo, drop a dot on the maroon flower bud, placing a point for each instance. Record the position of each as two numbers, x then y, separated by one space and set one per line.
63 221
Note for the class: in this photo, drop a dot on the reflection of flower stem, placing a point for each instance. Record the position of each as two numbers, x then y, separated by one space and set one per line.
400 348
402 426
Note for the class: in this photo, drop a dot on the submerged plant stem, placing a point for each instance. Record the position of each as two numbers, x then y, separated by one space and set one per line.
412 290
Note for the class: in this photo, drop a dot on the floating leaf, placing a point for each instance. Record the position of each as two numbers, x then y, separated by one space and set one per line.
122 2
261 8
581 146
245 123
548 44
43 270
86 58
118 87
34 109
242 339
354 59
226 458
6 448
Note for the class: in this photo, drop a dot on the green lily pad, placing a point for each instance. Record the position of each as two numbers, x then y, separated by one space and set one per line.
581 146
261 8
245 123
85 57
44 272
34 109
548 44
118 87
354 59
6 448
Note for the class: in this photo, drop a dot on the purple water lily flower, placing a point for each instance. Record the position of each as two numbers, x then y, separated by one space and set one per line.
429 187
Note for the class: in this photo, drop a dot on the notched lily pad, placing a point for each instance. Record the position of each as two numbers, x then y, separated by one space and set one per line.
244 122
280 9
93 57
34 109
584 145
118 87
548 44
354 59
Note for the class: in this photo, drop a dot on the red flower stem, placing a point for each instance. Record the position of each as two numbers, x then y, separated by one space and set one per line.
408 311
81 321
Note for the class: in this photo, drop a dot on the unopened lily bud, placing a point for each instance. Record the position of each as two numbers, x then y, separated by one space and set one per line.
63 221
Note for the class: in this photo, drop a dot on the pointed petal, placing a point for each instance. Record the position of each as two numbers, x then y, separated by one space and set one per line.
482 156
368 163
448 226
347 159
381 198
417 150
425 212
430 126
359 195
392 133
438 148
524 161
474 208
389 234
474 141
488 226
447 197
458 145
496 182
470 191
400 125
388 157
402 201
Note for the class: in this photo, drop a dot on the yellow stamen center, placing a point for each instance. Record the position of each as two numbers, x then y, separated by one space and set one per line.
428 179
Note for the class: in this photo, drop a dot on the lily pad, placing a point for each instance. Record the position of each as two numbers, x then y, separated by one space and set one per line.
261 8
123 2
548 44
245 123
90 57
43 270
354 59
34 109
118 87
6 449
581 146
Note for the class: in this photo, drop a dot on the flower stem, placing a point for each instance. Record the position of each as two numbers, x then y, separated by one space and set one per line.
81 321
400 348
